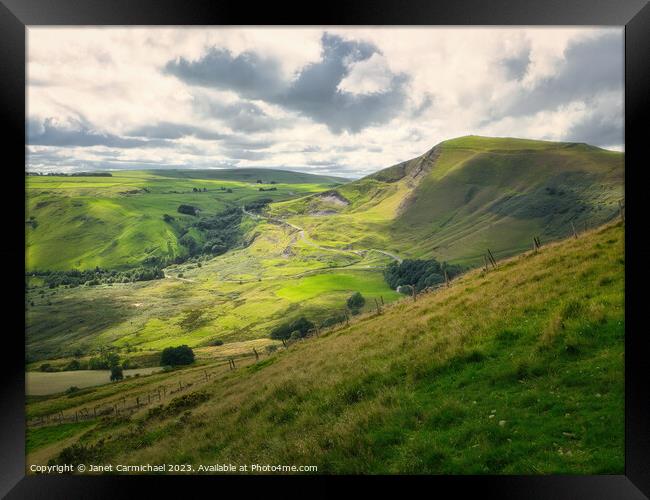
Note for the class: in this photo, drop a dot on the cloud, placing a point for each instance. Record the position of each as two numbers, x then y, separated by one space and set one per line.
241 116
49 132
251 75
590 66
601 125
515 67
315 90
170 130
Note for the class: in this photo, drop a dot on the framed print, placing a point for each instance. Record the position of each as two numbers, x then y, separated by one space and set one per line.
381 240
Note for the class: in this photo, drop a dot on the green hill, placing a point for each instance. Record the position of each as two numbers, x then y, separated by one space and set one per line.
469 194
117 222
518 370
266 175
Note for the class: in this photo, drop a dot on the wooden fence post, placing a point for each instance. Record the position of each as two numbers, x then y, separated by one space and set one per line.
413 293
575 235
446 278
382 299
485 262
494 262
377 306
257 356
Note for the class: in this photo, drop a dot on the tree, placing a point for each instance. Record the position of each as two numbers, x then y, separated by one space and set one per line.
194 190
174 356
356 301
116 373
73 365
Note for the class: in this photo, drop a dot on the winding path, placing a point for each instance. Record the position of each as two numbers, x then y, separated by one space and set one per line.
303 235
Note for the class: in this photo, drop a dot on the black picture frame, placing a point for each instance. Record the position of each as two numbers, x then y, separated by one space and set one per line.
17 15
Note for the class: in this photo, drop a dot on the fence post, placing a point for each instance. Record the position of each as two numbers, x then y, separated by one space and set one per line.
494 262
575 235
485 262
378 308
446 278
413 293
257 356
382 299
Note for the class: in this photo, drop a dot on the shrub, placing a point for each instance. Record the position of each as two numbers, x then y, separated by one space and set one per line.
73 365
356 301
187 209
284 331
217 342
116 373
175 356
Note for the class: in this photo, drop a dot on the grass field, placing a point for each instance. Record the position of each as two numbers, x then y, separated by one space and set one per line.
515 371
42 384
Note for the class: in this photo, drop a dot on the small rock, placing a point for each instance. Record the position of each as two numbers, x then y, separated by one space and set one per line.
598 394
490 416
502 423
493 411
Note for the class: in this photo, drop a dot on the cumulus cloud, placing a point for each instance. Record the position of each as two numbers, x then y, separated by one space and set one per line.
51 133
589 67
315 91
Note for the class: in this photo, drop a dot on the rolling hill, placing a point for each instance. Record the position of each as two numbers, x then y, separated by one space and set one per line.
117 222
305 254
518 370
466 195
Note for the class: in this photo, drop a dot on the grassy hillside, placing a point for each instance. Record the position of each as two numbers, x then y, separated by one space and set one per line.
117 222
466 195
518 370
266 175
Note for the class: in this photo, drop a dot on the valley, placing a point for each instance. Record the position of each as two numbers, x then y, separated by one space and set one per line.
224 258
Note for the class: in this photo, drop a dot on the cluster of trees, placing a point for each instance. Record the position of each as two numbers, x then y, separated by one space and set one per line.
176 356
105 361
187 209
199 190
222 232
257 205
97 276
268 189
420 273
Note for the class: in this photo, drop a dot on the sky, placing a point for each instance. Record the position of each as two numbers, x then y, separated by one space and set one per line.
337 101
